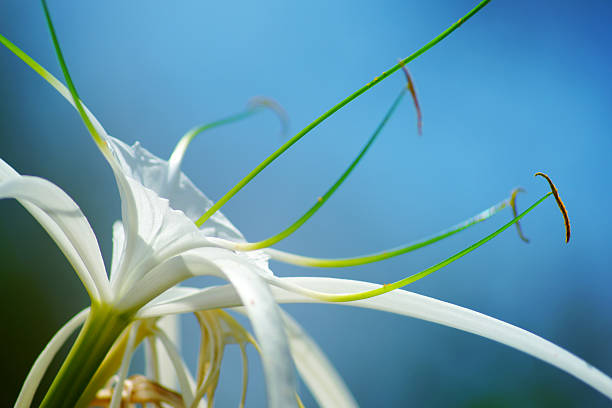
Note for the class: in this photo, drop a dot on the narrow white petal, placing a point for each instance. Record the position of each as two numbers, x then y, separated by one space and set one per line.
408 304
158 216
182 373
318 373
62 218
117 397
118 247
171 326
24 400
261 308
152 172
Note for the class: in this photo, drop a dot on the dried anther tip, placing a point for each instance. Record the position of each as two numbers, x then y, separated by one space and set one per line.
411 88
515 212
266 102
555 193
139 390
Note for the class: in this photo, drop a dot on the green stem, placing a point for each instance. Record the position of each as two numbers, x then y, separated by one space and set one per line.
333 110
102 328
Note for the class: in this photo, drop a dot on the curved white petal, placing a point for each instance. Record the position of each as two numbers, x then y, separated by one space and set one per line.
318 373
152 172
262 310
182 373
118 246
171 326
407 304
148 182
117 397
63 220
24 400
153 231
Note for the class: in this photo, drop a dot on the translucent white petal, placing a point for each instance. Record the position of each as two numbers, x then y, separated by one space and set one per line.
118 247
318 373
407 304
148 181
180 368
117 397
261 308
63 220
152 231
152 172
24 400
171 326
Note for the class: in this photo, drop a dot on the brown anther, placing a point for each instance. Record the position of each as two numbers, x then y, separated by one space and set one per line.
515 212
139 390
555 193
411 88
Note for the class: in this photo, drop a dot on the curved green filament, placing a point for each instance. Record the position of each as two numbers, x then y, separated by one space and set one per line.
333 110
321 200
255 105
380 256
189 136
30 62
75 96
413 278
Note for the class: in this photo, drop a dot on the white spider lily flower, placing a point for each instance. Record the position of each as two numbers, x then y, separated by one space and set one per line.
151 247
158 244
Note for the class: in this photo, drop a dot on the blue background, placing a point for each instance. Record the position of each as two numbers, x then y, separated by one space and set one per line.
522 87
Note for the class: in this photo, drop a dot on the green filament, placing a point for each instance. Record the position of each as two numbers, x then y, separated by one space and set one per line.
333 110
323 199
255 105
380 256
75 96
413 278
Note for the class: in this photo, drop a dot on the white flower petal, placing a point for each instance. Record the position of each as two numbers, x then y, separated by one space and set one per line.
407 304
143 169
318 373
118 247
152 172
262 310
63 220
171 326
24 400
117 397
153 232
180 368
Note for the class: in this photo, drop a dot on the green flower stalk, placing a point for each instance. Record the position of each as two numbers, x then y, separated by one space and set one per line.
170 231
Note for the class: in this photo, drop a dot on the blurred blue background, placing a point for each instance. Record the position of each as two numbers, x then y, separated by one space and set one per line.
522 87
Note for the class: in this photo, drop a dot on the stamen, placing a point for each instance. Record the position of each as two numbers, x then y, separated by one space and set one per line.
412 90
347 297
266 102
140 390
218 329
255 105
555 193
232 192
299 401
75 96
321 200
389 253
515 213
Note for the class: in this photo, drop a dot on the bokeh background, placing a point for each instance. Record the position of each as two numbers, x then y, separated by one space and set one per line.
522 87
